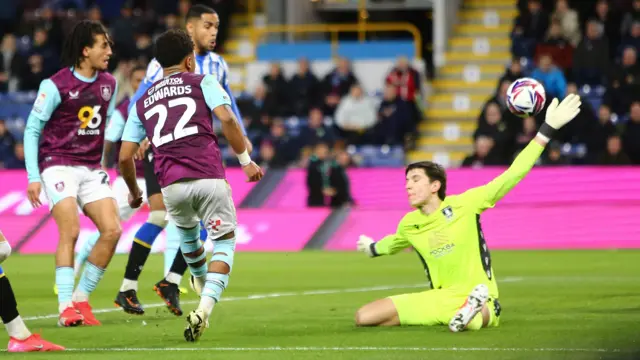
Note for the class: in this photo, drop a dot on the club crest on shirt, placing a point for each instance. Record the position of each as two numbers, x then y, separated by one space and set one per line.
105 91
447 212
60 186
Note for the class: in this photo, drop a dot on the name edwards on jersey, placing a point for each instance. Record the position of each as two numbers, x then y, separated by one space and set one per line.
172 86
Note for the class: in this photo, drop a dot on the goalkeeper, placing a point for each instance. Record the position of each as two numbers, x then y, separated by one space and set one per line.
446 233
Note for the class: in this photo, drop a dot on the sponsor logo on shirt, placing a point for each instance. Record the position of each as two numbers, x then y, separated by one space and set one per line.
443 250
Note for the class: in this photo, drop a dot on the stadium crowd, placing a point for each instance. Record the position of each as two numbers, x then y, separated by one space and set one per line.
585 47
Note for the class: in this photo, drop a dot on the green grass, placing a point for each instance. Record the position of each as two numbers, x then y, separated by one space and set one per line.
556 305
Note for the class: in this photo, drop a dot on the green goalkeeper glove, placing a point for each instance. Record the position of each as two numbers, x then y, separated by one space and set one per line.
558 115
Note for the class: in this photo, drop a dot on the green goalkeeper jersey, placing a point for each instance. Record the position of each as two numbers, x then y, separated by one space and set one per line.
450 241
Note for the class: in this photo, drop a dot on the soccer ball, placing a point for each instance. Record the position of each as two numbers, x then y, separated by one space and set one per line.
526 97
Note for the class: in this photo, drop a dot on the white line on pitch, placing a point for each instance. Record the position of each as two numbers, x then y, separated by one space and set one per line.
271 295
350 348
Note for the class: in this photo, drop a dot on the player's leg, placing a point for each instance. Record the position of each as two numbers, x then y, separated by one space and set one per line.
143 241
20 338
475 312
98 203
381 312
215 208
61 186
169 287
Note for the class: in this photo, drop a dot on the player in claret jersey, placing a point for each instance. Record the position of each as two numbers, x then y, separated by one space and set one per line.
63 142
176 114
445 231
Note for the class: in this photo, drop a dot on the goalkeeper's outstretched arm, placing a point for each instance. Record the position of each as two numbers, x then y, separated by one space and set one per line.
389 245
557 116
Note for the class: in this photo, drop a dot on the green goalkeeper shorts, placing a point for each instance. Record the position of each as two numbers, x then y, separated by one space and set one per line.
436 307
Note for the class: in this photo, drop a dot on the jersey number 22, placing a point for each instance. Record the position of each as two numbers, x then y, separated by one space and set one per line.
180 130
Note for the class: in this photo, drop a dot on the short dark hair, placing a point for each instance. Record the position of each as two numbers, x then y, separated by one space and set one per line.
196 11
172 47
434 172
82 35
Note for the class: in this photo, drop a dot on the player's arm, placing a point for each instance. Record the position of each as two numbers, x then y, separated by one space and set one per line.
45 104
113 134
218 101
234 105
389 245
484 197
132 135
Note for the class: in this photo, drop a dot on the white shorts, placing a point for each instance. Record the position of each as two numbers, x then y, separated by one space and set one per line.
79 182
208 200
121 192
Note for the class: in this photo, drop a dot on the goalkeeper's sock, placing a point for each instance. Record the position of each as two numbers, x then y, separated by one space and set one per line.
84 252
9 310
88 282
476 322
137 258
64 283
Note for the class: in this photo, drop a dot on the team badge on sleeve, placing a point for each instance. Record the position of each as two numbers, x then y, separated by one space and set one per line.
105 91
37 106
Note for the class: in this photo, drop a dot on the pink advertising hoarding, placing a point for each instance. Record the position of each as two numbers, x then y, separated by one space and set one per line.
384 188
552 208
13 197
258 230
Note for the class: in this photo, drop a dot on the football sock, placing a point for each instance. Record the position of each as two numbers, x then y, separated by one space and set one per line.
88 282
64 283
9 310
85 251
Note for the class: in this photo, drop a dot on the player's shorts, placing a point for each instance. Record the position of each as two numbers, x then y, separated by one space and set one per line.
208 200
150 178
84 184
121 191
436 307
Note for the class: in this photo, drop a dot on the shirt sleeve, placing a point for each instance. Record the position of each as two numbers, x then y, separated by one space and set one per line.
227 88
112 102
133 130
214 94
391 244
484 197
116 127
45 104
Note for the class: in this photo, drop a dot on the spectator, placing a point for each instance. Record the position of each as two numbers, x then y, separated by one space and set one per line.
599 132
624 86
285 149
407 82
613 154
630 17
316 130
513 72
16 160
491 125
339 181
394 119
553 156
34 74
555 37
578 129
355 115
530 26
630 39
610 23
483 154
591 56
122 28
7 143
276 100
528 132
568 19
632 134
337 84
11 63
551 77
304 89
318 176
43 47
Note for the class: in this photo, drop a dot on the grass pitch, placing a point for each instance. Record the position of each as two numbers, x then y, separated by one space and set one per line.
556 305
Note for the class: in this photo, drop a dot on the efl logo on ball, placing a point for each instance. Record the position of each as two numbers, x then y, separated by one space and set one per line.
526 97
